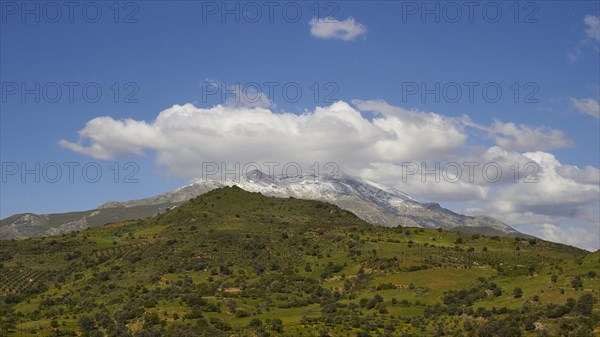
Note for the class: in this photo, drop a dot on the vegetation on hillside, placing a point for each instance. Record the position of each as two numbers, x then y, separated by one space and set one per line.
234 263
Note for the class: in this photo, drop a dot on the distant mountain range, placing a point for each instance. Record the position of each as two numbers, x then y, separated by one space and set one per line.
372 202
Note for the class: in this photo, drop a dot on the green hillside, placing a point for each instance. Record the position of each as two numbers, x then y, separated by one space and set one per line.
234 263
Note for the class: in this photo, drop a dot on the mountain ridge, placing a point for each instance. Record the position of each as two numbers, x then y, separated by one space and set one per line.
373 202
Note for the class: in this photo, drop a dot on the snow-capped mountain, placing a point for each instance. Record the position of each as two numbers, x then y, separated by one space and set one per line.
372 202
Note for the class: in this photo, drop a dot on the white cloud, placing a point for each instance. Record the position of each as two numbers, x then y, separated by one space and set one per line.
592 29
330 28
184 137
441 135
424 187
562 195
588 106
592 37
510 136
587 175
513 167
552 194
523 138
111 137
587 237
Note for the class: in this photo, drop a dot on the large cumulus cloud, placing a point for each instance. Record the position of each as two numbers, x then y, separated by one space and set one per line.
185 136
375 140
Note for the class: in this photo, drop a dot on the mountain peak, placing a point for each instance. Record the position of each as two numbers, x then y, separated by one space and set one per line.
373 202
257 175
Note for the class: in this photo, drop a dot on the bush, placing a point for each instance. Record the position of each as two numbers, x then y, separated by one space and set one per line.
518 292
86 323
255 322
529 324
577 282
104 276
555 311
277 325
585 305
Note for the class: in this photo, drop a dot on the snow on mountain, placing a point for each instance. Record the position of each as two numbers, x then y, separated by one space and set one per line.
372 202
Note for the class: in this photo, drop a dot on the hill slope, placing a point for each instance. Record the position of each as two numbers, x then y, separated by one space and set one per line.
235 263
371 202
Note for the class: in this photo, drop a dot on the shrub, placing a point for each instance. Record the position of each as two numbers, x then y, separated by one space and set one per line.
577 282
518 292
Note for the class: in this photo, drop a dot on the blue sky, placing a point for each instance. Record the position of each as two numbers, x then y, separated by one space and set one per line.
367 54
